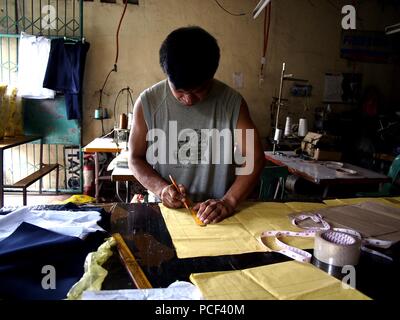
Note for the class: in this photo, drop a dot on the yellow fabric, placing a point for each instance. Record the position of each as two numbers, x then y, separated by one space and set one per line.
78 199
395 201
94 274
3 109
237 234
9 130
282 281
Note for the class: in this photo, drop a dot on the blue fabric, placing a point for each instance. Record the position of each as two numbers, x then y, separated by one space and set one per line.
24 253
65 71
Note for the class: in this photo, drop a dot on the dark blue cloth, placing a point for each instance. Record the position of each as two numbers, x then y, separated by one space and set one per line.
65 71
24 253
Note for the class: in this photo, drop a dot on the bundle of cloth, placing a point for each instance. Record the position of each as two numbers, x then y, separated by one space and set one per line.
49 66
38 243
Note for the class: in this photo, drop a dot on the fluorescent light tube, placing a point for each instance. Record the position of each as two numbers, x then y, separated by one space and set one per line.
260 7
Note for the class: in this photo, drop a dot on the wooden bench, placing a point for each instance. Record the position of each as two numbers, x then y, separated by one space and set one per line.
32 178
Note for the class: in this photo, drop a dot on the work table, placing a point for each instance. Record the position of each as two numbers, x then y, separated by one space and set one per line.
143 229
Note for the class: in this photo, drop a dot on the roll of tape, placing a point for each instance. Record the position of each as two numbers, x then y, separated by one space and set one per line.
337 248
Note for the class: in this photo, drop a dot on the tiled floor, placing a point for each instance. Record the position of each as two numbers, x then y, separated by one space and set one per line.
33 199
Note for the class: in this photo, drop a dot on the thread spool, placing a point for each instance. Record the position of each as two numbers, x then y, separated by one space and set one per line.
278 135
98 114
288 126
303 127
123 121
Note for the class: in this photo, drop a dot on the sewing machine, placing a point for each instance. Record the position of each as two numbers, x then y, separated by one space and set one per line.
321 147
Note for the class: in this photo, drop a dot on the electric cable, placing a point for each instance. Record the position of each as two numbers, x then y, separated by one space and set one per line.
119 28
267 17
231 13
115 68
129 97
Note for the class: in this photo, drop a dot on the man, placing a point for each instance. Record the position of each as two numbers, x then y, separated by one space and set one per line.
175 121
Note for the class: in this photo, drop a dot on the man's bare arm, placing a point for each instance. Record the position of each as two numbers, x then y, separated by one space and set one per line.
141 169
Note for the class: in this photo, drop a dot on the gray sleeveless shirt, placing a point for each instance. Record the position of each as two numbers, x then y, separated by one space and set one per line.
186 151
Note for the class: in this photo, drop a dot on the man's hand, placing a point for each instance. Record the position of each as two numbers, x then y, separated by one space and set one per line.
213 210
172 198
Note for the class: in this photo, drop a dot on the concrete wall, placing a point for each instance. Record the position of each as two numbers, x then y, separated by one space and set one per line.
304 33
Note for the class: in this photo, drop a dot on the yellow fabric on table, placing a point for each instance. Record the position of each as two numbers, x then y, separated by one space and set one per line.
395 201
237 234
281 281
78 199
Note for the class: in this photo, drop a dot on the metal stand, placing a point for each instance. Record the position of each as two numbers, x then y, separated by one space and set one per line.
276 141
284 77
121 137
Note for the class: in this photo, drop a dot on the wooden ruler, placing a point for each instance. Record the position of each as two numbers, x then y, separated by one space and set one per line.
194 215
187 204
135 271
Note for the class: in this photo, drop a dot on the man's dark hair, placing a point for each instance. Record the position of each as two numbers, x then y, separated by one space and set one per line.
189 56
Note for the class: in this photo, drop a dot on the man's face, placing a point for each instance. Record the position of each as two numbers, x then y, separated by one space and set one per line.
191 97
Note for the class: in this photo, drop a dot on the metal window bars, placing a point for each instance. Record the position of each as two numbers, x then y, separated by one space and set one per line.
53 19
42 17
